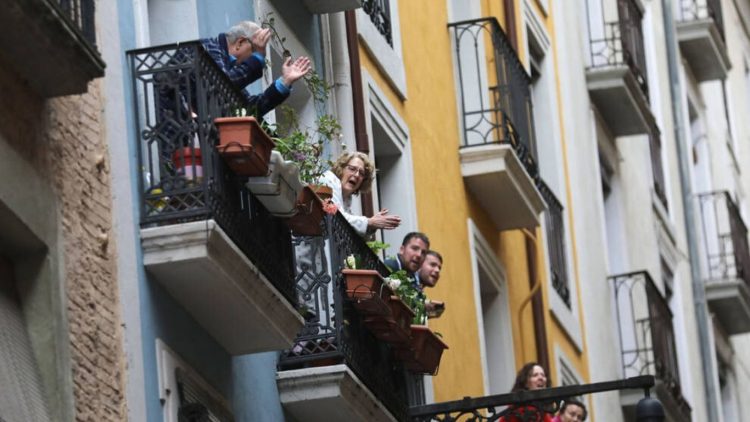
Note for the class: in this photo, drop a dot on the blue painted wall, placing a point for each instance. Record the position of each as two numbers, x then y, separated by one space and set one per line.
248 381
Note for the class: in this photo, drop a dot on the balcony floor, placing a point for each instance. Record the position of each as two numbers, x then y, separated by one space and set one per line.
729 300
205 272
329 393
704 49
496 178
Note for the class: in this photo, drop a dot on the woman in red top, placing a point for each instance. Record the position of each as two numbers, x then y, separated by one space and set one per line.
530 377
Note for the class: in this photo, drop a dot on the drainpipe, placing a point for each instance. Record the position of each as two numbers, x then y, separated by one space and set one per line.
699 293
358 99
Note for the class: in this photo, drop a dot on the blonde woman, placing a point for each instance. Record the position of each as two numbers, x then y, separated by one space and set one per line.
351 175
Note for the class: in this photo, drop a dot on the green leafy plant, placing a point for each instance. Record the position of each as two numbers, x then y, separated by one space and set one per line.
377 246
305 145
402 285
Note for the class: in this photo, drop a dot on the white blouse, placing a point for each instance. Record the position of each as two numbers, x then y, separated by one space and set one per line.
358 222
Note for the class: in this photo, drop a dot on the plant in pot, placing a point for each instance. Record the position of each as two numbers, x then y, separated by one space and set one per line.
306 146
244 144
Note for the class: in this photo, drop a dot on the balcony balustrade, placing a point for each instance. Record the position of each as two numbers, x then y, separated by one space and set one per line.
498 158
647 342
535 403
726 261
61 35
616 76
379 12
556 243
205 238
700 32
337 370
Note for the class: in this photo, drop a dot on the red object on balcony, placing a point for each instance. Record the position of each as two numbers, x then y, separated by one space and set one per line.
367 291
246 148
188 162
423 353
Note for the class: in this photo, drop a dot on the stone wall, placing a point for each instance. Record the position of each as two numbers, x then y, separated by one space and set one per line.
64 141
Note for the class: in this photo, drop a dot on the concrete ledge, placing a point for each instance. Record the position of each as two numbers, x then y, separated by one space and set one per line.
704 49
500 183
729 300
220 287
329 393
619 100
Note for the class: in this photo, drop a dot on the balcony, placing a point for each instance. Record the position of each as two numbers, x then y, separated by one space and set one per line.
51 44
727 261
206 240
337 370
700 32
647 342
497 151
616 77
556 244
331 6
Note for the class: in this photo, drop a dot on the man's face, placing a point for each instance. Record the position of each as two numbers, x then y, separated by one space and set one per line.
429 274
412 254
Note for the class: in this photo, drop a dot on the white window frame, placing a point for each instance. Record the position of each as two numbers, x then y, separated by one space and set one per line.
389 59
568 318
167 361
482 254
379 108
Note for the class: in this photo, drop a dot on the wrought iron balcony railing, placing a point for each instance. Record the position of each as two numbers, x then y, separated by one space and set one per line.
379 12
178 90
496 104
621 42
534 403
556 243
692 10
81 14
647 341
334 331
725 235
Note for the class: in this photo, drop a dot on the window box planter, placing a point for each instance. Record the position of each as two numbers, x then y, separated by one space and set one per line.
306 221
393 329
367 292
423 353
243 144
278 191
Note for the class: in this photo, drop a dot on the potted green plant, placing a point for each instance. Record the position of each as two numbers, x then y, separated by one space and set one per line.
367 292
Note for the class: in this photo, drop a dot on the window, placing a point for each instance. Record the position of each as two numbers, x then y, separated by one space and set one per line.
22 398
493 315
183 392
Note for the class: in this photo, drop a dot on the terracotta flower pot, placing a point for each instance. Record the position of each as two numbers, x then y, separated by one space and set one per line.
367 291
324 192
244 145
309 214
424 351
392 329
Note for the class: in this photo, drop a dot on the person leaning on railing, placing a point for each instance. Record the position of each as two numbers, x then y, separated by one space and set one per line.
240 53
531 377
429 275
571 411
352 174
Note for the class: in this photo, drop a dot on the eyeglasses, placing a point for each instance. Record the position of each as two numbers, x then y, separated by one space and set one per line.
357 170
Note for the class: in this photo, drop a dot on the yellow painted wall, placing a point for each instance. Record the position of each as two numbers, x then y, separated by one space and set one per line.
444 205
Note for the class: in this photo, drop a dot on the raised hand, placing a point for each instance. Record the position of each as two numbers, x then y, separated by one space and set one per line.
260 39
291 71
382 220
